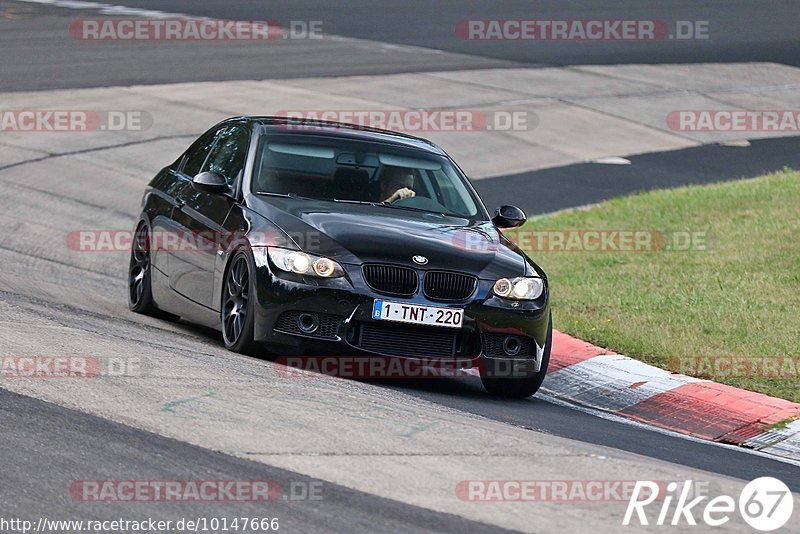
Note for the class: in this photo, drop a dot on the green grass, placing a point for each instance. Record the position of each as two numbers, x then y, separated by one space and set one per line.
740 296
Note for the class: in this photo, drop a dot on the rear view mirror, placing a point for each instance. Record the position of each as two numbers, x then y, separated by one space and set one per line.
509 217
211 182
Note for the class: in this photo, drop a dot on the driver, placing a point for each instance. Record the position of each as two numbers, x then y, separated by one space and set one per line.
397 183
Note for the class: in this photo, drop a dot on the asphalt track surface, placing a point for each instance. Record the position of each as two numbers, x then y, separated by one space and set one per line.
542 416
95 448
414 36
89 299
738 30
40 54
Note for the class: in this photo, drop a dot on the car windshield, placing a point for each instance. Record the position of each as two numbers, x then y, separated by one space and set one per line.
355 171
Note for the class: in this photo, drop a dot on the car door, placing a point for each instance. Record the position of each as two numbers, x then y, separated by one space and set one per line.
201 217
165 229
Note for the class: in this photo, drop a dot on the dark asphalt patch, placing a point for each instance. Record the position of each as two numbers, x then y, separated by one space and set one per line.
548 190
47 448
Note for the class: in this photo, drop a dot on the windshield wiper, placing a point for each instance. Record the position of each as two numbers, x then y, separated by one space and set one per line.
363 202
409 208
359 202
294 195
283 195
271 194
385 205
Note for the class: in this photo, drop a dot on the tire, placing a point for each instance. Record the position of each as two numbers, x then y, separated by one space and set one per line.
140 291
520 388
237 313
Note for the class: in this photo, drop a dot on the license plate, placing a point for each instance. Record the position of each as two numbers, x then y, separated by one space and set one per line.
415 314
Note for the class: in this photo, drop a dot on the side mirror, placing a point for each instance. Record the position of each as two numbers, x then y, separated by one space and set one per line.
509 217
211 182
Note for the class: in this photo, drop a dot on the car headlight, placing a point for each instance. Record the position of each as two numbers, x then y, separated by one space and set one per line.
522 288
296 261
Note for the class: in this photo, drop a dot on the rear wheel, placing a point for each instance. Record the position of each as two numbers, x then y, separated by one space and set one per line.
237 313
140 292
519 388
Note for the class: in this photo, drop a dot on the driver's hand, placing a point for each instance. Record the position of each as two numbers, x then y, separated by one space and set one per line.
401 194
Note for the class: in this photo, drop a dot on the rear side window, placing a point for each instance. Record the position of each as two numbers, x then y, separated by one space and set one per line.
229 153
197 155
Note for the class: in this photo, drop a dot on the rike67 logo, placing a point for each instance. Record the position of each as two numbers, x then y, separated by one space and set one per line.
765 504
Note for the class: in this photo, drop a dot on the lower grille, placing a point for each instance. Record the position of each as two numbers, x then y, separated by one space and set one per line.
412 341
443 285
328 324
493 346
391 279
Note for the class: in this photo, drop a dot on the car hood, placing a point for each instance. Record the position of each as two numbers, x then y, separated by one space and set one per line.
354 233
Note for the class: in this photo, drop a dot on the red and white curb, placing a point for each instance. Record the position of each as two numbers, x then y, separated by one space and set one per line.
590 376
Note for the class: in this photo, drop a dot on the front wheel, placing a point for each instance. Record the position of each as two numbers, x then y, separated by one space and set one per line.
238 301
520 388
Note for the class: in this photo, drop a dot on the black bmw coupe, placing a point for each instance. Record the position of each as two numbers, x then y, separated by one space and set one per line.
322 238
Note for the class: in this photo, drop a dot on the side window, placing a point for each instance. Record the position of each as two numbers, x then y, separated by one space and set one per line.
197 155
229 153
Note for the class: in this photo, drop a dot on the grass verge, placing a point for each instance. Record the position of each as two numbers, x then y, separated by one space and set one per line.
714 286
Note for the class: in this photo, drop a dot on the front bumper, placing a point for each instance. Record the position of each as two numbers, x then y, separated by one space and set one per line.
343 306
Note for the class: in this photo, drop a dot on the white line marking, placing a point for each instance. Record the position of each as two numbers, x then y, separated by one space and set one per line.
109 9
612 160
783 442
606 382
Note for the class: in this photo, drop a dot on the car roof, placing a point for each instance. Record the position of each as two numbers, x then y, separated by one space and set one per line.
340 130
